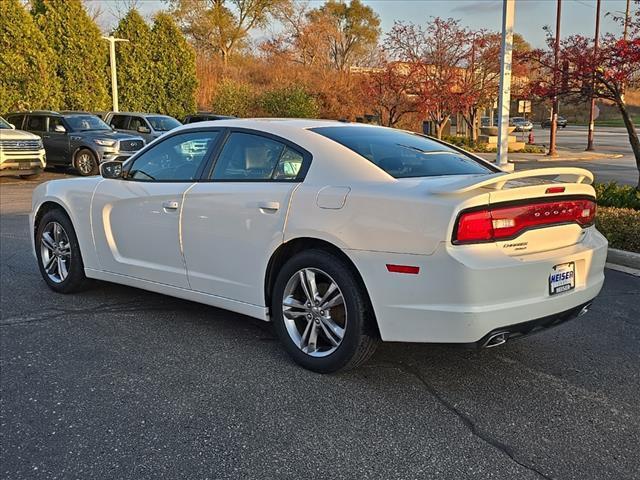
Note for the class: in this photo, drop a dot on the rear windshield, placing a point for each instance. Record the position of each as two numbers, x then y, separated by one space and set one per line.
403 154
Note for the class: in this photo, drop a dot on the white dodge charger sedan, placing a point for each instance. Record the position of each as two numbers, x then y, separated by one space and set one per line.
340 234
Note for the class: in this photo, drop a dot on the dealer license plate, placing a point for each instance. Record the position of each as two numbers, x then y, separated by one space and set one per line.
563 278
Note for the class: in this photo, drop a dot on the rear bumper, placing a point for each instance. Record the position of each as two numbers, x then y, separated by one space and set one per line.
461 296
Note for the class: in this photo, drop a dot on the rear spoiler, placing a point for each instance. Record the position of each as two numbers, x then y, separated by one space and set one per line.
499 180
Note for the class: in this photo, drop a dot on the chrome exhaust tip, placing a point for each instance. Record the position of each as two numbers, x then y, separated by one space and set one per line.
585 309
496 339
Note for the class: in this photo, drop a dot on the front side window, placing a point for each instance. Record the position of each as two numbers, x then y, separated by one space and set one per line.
36 123
403 154
253 157
16 120
55 122
177 159
136 123
119 122
163 124
86 123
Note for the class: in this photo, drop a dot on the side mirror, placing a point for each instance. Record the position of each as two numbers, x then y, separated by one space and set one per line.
59 129
143 129
12 126
111 169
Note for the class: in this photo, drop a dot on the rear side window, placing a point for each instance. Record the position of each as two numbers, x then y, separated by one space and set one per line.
403 154
119 121
248 157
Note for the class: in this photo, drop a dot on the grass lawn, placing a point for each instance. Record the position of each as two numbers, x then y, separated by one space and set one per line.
613 122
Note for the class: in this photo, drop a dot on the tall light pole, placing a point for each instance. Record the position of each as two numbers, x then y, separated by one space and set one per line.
592 110
112 61
504 99
554 107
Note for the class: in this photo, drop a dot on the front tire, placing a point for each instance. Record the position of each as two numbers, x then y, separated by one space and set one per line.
85 162
58 253
321 313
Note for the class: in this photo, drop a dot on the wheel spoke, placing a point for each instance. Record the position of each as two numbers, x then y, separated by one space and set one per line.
327 333
62 269
291 302
291 314
311 282
305 287
336 330
336 300
56 232
312 343
47 241
328 292
50 264
305 334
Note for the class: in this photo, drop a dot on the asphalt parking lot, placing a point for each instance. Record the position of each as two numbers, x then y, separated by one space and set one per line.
121 383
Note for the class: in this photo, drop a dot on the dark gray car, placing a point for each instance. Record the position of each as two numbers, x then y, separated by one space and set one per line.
80 140
147 125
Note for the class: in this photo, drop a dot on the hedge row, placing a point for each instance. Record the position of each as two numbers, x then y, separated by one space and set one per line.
613 195
621 226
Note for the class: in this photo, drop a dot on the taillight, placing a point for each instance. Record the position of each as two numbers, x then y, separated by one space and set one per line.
505 222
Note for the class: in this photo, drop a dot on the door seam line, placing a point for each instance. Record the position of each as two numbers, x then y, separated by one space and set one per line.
184 260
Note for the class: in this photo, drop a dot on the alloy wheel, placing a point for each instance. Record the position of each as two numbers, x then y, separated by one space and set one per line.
84 163
314 311
55 252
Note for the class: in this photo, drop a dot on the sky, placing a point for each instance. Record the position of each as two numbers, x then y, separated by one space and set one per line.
578 16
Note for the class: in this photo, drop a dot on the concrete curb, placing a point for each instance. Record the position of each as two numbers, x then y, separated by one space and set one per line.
623 258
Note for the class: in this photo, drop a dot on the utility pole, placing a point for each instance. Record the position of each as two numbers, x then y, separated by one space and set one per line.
592 109
554 108
626 20
504 98
112 62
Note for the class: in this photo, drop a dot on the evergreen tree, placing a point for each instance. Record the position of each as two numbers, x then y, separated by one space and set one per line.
174 62
81 54
27 63
136 70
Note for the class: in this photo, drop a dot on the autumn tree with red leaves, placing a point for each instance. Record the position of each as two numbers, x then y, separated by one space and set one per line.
388 91
435 57
605 75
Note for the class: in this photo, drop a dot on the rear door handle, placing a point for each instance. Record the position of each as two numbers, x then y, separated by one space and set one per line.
269 207
170 205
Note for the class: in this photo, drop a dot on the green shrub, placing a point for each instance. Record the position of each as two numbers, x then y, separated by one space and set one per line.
289 102
233 98
621 226
613 195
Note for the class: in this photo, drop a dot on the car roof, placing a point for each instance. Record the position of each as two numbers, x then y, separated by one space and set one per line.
142 114
259 123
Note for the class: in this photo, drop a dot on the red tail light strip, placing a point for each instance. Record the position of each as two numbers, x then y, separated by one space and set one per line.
507 222
403 269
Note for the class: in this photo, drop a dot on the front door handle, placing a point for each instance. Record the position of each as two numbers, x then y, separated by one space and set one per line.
269 207
170 205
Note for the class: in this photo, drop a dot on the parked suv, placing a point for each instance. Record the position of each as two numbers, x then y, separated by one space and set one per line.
21 153
147 125
203 117
81 140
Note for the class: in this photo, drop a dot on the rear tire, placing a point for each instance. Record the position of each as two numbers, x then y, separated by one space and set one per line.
339 313
85 162
58 253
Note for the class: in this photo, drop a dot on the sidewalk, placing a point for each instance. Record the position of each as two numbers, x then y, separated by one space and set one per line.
563 155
